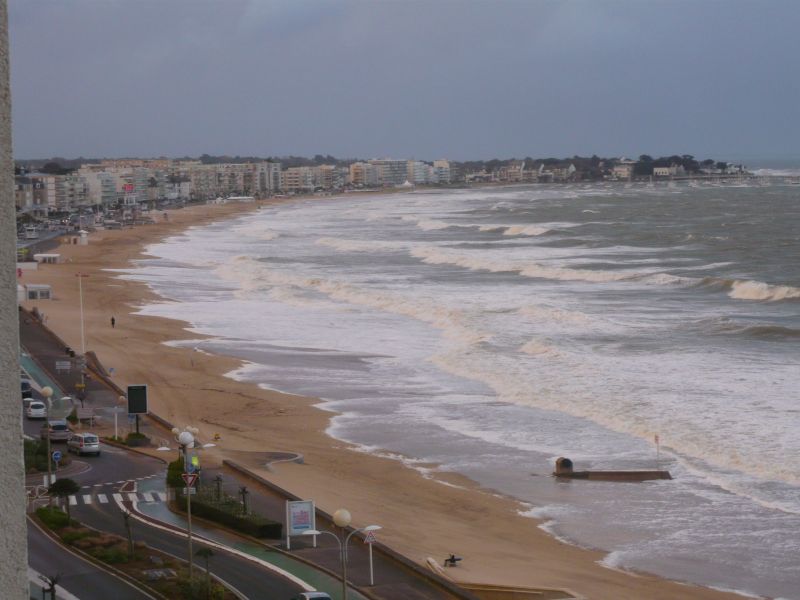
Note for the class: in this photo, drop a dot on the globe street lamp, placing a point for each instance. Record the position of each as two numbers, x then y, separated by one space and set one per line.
341 518
186 440
47 392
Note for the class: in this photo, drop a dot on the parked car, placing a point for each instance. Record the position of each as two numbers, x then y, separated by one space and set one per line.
57 430
84 443
25 387
36 410
312 596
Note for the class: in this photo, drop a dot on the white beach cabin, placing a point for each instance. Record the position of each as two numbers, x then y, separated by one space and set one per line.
38 291
47 258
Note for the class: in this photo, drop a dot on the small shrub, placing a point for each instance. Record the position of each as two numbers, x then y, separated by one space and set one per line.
53 517
73 416
112 555
137 439
174 472
71 535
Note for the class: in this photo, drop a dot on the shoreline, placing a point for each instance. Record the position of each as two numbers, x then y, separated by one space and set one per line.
421 517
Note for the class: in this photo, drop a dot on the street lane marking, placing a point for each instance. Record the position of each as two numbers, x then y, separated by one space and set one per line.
73 501
133 497
148 497
87 498
118 498
102 498
162 496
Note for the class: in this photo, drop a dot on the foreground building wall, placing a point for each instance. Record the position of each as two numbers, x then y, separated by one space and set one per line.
13 539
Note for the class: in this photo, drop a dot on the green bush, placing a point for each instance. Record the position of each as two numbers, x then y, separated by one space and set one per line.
228 512
70 537
52 517
189 590
174 472
137 439
73 416
112 555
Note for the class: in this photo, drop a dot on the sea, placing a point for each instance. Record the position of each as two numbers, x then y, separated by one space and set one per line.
488 331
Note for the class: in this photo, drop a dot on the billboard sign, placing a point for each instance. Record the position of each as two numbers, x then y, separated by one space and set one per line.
300 517
137 399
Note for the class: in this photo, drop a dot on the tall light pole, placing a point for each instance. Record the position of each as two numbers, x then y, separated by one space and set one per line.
341 518
80 277
186 439
47 392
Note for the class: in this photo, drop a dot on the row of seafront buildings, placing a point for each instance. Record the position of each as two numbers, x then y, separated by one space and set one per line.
135 182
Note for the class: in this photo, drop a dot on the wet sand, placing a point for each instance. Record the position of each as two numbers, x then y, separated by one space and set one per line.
420 517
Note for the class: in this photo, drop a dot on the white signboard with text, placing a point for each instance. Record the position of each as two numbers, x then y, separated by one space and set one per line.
300 517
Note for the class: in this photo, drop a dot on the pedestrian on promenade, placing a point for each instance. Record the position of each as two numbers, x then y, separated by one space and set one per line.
113 322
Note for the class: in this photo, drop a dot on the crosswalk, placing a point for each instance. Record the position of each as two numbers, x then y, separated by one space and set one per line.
118 498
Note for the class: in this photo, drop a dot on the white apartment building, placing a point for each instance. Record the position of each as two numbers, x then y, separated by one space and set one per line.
419 173
441 171
392 172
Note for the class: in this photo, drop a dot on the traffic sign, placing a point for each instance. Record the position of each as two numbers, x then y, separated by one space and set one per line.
370 538
56 456
189 478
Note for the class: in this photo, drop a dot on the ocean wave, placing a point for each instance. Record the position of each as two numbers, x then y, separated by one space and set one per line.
344 245
745 289
531 230
437 256
560 315
726 326
254 275
536 347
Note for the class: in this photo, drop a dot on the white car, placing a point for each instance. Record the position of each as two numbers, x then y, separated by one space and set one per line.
36 410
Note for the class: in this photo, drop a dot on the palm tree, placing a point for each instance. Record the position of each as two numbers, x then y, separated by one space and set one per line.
206 553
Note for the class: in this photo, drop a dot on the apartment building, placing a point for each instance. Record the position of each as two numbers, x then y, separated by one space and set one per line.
391 172
365 175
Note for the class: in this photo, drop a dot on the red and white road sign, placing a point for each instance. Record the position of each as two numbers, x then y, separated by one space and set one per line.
189 478
369 538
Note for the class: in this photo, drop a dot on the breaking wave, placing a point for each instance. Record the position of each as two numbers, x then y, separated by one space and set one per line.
753 290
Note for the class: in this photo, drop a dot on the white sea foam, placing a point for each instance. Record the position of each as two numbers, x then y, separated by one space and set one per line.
546 313
538 348
477 262
358 245
757 290
532 230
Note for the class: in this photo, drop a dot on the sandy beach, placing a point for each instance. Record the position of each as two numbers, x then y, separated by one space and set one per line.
421 517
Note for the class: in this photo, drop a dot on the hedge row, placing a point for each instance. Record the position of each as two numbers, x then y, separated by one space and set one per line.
254 525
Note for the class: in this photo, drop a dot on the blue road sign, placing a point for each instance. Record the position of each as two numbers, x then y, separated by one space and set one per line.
56 456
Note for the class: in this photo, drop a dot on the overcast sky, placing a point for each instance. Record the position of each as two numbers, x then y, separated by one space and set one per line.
437 78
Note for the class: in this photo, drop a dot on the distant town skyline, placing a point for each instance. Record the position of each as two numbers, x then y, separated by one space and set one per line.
459 80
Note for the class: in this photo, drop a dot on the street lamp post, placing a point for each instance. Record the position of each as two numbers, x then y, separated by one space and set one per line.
47 392
80 277
341 518
186 439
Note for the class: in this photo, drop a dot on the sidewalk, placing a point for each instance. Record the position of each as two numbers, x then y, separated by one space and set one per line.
44 349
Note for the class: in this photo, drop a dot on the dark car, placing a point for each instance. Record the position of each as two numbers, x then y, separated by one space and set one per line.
26 389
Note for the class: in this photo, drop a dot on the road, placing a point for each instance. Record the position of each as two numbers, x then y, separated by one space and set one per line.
110 478
77 576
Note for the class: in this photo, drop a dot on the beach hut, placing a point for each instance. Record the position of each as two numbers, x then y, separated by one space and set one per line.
47 258
38 291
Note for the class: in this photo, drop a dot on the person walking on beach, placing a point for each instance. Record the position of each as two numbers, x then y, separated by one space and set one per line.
113 322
